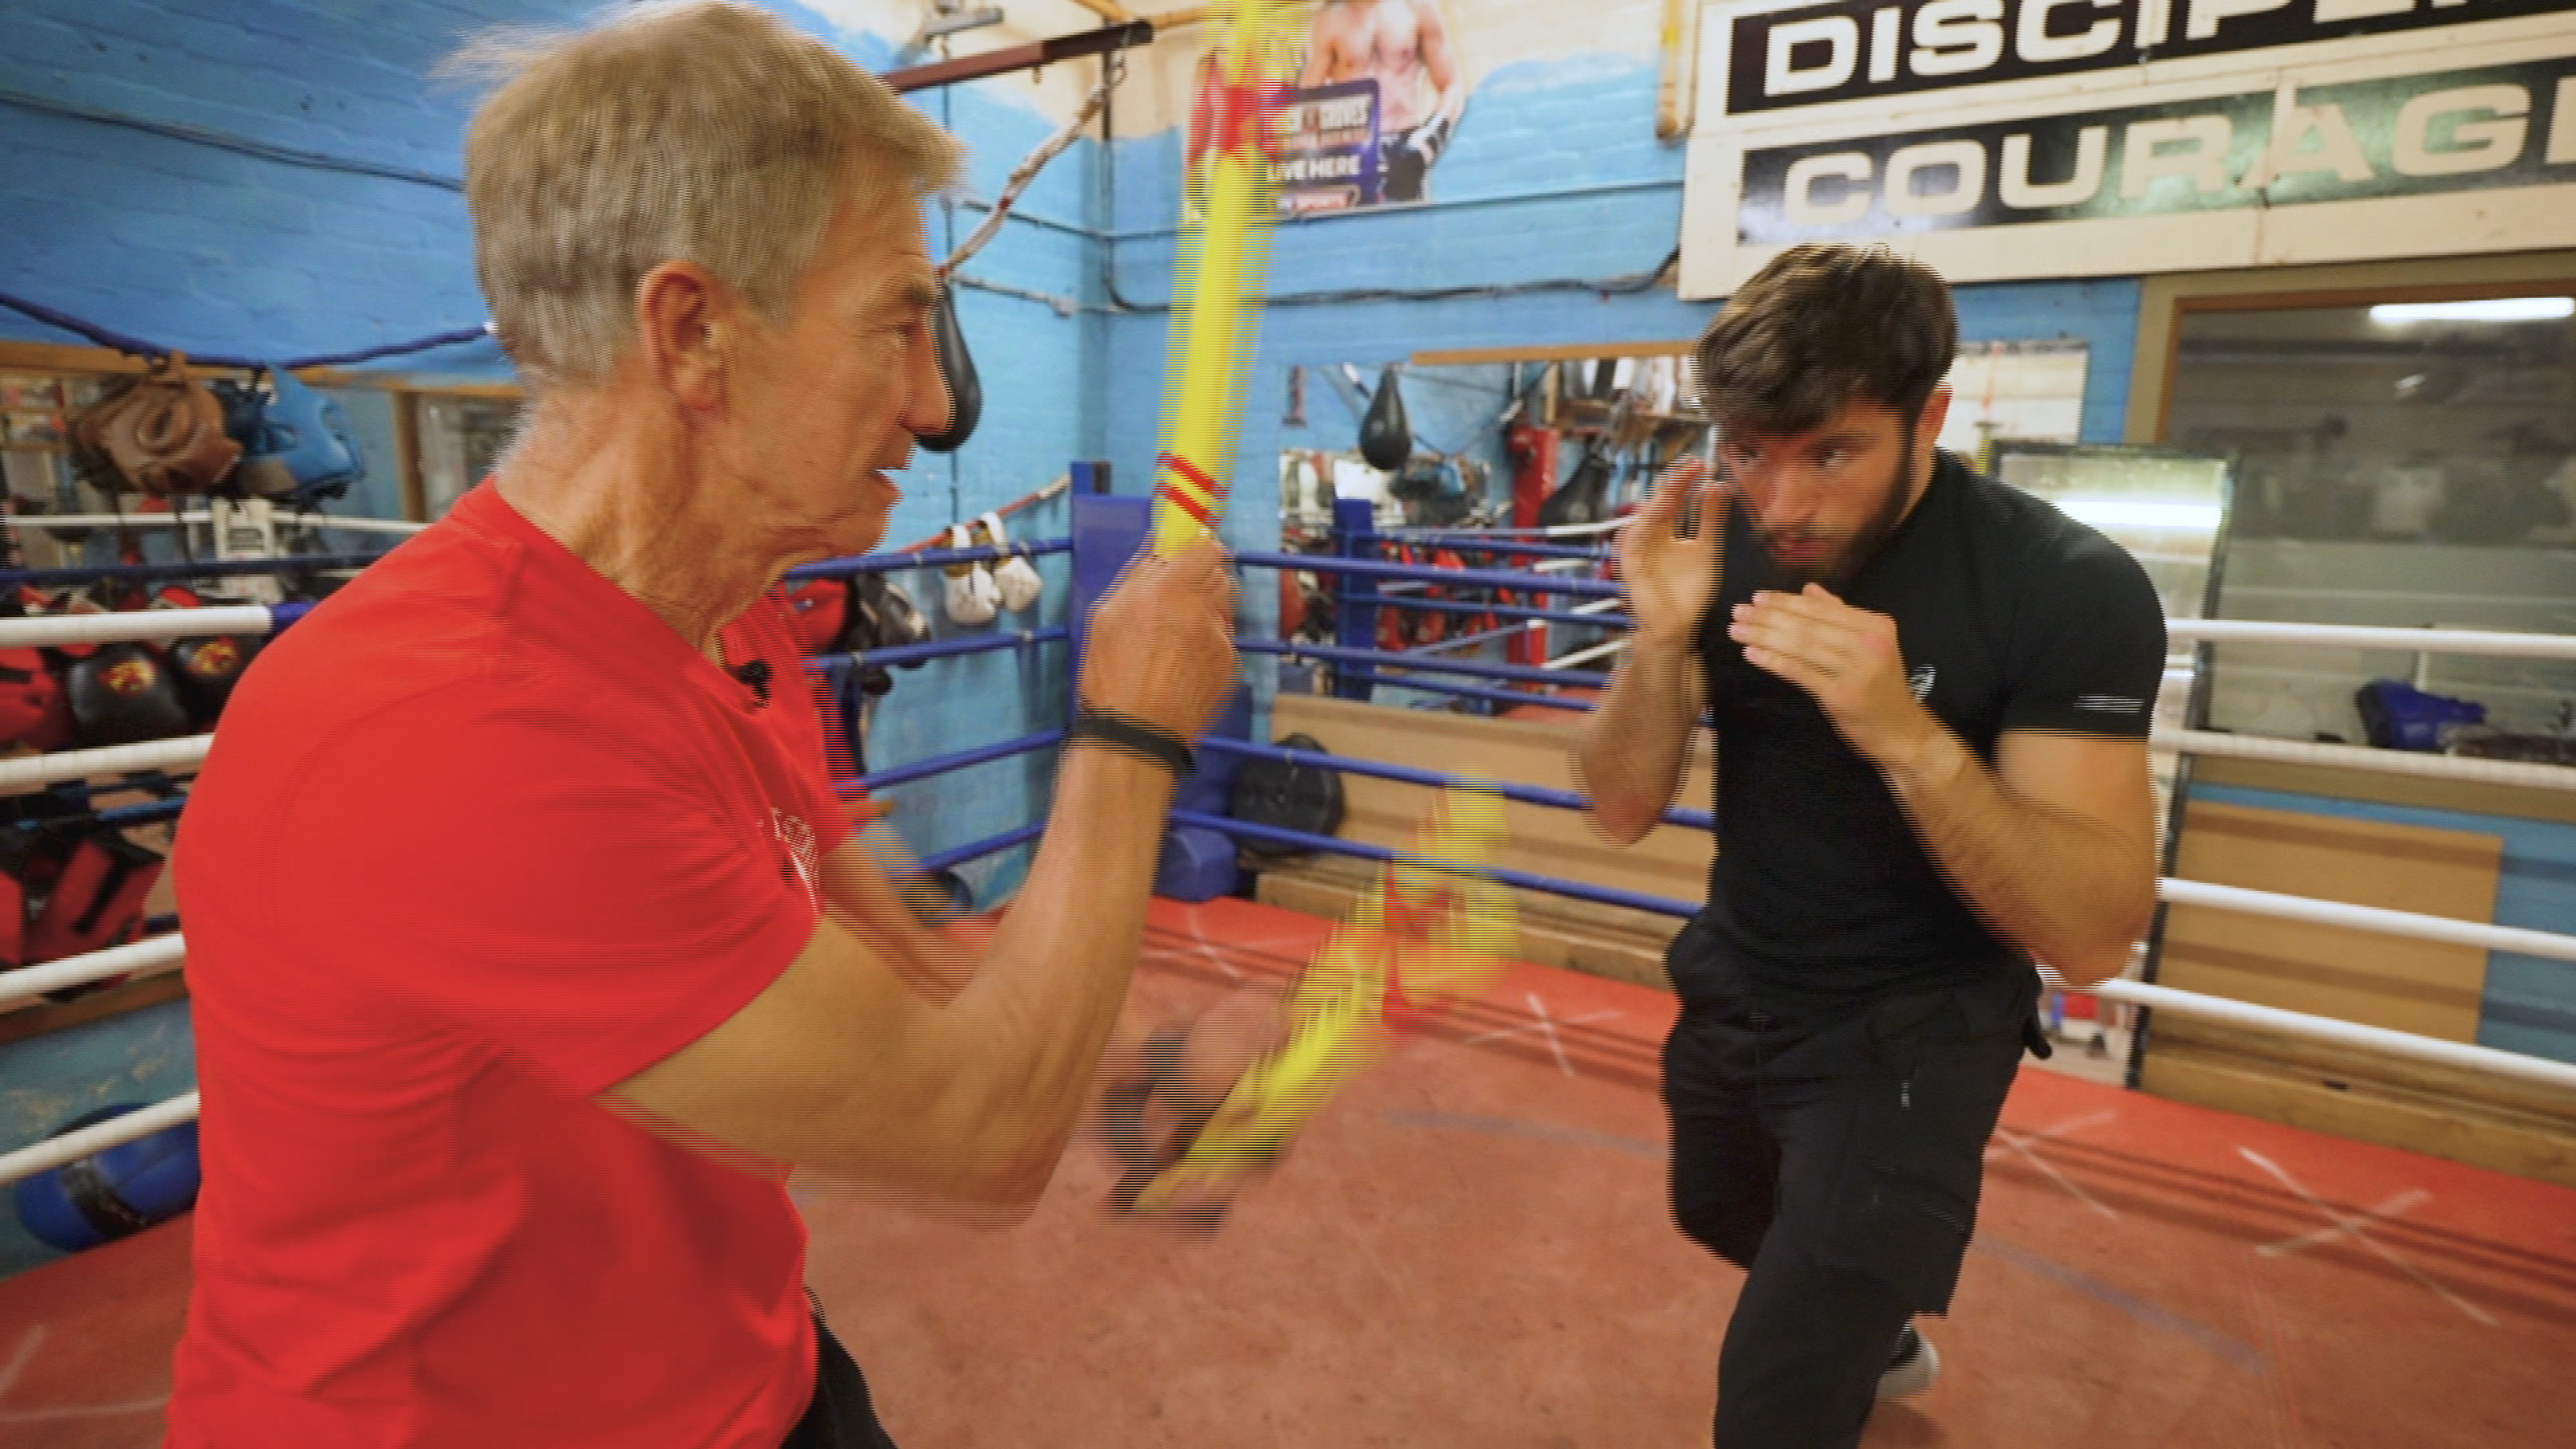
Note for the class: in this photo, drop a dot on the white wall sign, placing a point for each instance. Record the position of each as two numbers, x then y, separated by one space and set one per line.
1770 56
2468 149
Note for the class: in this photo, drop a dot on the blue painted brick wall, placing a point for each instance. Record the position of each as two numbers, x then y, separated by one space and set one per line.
1554 174
200 247
206 248
191 245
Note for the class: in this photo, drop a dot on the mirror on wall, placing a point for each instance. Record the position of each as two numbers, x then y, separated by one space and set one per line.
2405 460
2395 422
461 438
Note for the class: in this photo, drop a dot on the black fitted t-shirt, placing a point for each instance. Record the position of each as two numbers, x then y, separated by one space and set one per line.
2010 616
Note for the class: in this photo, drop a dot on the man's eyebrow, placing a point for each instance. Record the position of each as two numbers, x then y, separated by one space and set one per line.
912 291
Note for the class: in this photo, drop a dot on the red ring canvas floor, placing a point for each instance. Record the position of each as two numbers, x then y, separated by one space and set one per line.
1472 1249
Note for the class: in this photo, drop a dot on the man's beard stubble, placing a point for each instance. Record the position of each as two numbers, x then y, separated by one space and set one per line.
1846 558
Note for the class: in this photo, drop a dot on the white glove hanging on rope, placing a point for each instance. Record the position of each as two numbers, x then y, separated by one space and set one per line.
1015 576
973 597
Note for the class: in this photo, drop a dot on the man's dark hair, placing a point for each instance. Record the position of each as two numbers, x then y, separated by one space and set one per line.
1821 326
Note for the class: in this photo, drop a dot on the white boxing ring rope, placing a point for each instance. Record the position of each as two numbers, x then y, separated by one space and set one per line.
2493 642
52 630
165 953
403 526
2331 1029
155 957
2445 929
2517 773
185 753
115 1132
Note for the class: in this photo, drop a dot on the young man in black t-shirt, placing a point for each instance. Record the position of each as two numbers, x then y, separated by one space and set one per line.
1931 694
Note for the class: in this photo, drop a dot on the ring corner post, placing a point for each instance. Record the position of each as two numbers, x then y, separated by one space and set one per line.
1107 531
1355 608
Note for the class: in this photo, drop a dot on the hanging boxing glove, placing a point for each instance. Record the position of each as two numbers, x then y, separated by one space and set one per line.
882 617
207 670
957 368
123 694
903 622
973 598
1015 577
1386 435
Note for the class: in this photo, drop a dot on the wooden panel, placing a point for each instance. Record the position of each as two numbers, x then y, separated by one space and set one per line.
2471 797
23 1022
412 382
2340 1066
71 359
2508 1126
1670 861
74 359
1567 352
2364 976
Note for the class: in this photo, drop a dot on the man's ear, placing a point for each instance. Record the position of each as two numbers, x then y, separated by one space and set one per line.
1936 411
683 333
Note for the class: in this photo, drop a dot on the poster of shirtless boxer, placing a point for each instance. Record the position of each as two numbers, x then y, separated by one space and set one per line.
1379 93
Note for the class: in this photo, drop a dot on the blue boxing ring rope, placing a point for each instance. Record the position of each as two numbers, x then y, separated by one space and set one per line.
1106 532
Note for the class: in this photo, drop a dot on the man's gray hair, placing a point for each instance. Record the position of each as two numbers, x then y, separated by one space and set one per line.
708 132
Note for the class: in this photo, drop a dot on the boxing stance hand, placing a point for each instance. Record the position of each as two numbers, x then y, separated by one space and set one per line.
1161 646
1846 659
1160 1089
1670 577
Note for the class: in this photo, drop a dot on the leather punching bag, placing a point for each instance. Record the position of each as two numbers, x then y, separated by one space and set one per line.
957 365
1386 436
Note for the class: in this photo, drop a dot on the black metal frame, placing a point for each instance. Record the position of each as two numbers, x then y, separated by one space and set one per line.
2195 709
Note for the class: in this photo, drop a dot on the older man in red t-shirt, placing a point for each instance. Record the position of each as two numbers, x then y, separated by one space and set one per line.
527 958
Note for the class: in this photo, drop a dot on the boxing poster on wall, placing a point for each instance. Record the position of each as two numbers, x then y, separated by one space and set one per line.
1378 94
2396 153
1767 56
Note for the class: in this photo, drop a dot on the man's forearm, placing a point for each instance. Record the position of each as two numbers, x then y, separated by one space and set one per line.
1630 757
1052 982
2073 893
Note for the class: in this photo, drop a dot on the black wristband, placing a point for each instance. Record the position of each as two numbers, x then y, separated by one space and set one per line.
1095 726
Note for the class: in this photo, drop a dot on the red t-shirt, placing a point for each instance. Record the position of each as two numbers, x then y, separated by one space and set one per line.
479 839
803 711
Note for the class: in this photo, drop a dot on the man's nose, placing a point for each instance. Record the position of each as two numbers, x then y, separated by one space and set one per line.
1782 500
930 405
